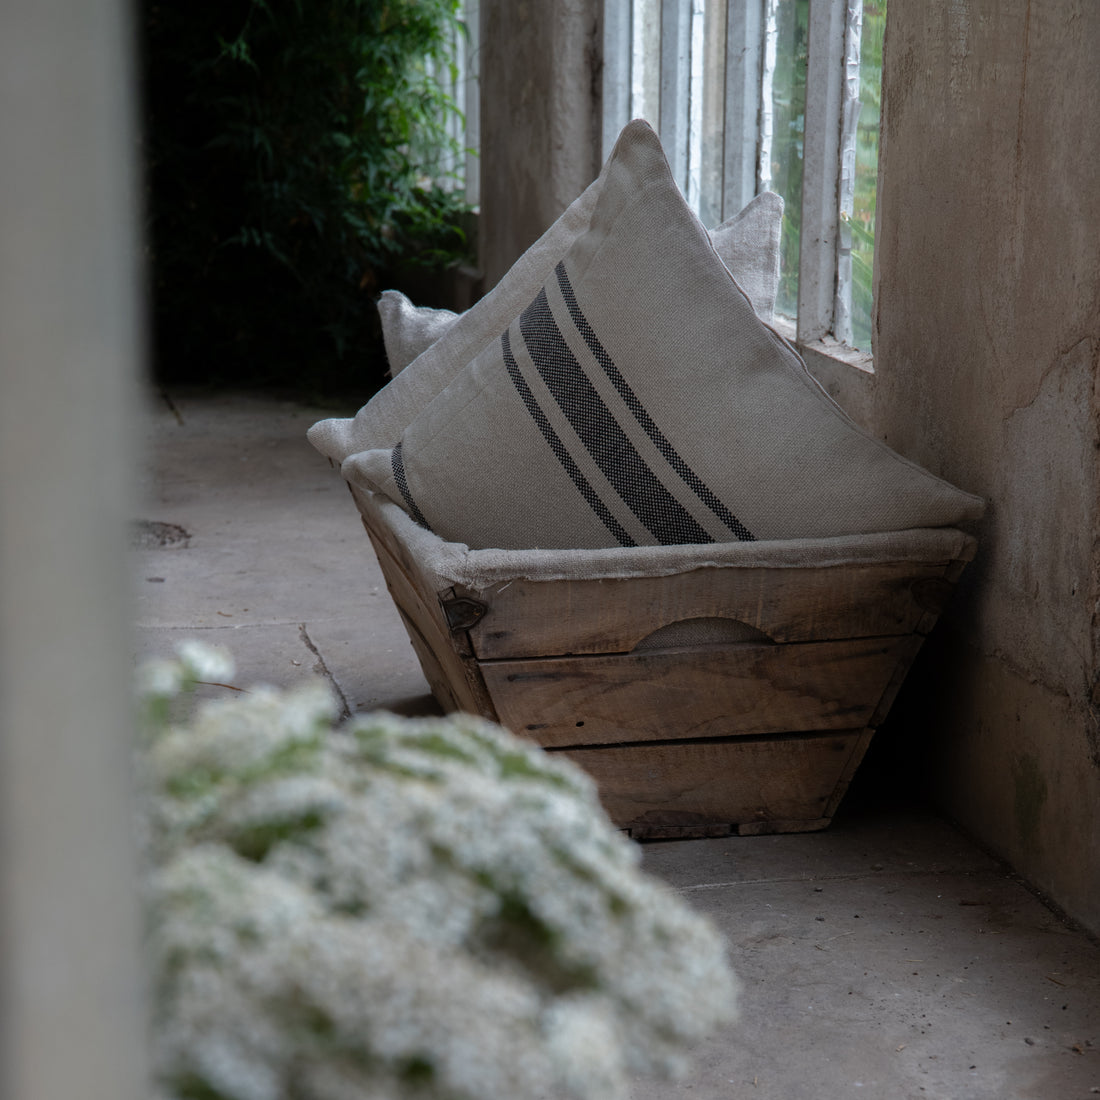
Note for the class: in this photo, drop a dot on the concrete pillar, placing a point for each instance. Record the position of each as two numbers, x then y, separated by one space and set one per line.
71 1020
540 119
987 355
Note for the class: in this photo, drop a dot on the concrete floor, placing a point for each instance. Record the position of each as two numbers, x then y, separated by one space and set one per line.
887 957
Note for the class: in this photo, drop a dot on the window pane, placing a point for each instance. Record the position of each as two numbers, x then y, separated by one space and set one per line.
867 135
714 137
783 123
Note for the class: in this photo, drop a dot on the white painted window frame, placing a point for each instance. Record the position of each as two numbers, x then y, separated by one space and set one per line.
823 325
465 126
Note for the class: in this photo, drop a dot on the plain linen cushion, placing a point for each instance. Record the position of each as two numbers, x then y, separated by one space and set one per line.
408 330
748 244
636 399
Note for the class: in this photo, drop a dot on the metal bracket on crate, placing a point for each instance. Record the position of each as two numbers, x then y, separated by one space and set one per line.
463 612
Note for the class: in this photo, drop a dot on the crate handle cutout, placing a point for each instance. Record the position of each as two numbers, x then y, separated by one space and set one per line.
709 630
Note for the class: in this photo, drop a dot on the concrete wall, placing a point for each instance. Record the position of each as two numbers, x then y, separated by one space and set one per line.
988 344
540 119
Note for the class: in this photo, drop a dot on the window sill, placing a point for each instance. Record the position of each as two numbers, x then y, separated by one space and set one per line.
824 348
846 375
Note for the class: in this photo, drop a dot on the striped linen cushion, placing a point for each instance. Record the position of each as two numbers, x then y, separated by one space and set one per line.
636 399
748 244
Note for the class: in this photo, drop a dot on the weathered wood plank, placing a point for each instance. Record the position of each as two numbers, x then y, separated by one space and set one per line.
859 750
706 692
935 595
886 700
710 734
438 680
455 680
554 618
759 785
769 828
396 553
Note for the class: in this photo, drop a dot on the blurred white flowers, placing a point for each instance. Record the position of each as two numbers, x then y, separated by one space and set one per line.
398 908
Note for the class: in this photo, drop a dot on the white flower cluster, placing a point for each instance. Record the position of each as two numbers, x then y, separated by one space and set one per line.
401 908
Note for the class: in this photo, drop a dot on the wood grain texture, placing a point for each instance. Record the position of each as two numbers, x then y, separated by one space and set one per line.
707 732
859 750
765 785
438 680
454 678
689 693
553 618
935 594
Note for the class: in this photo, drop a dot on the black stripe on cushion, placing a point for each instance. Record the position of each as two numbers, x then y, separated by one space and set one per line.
556 445
398 466
687 474
663 515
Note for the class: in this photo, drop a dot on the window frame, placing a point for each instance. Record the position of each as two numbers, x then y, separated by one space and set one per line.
463 125
831 114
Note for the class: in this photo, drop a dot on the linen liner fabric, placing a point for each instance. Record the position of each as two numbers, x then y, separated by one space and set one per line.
748 244
446 565
637 399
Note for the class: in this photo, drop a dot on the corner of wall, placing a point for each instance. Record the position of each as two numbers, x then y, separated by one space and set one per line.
988 352
540 138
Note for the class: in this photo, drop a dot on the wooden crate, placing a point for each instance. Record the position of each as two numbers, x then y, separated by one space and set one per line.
712 701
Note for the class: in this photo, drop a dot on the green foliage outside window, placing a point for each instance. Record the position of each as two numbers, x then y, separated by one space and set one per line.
293 152
863 207
789 123
788 128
